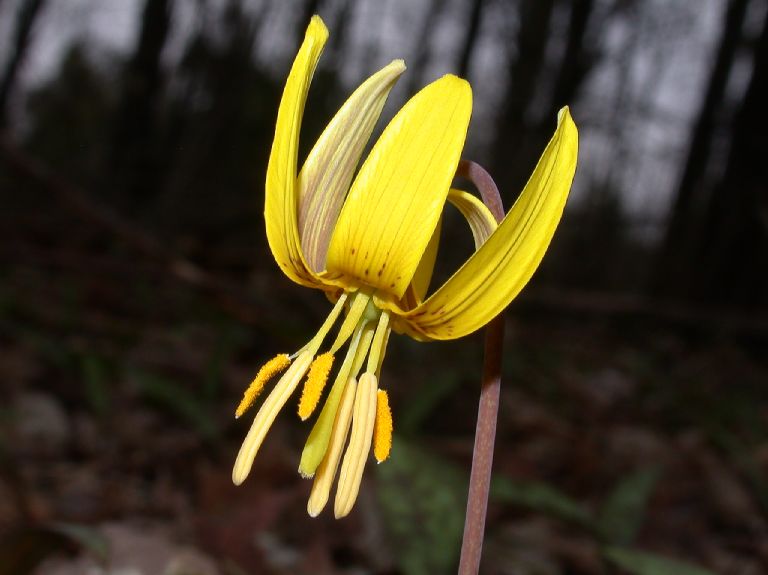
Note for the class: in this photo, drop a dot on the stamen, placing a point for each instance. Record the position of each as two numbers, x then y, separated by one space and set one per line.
382 429
352 321
317 341
269 369
317 442
313 387
384 342
353 465
362 349
321 487
379 343
266 416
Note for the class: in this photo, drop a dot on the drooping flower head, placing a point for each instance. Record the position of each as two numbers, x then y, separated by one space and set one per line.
369 240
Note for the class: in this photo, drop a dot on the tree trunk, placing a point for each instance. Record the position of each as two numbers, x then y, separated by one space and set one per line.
512 147
470 40
135 165
578 59
674 265
734 257
421 57
27 15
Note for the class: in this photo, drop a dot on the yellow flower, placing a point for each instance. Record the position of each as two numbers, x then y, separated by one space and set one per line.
370 245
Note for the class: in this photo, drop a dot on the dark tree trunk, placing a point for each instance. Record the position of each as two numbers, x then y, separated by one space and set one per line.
27 15
470 40
674 265
733 262
135 163
578 59
341 29
311 7
421 58
513 148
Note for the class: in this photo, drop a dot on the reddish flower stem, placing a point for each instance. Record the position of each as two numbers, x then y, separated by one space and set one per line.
488 407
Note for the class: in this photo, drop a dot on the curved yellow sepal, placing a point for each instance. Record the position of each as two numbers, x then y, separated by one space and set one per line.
396 200
495 274
281 198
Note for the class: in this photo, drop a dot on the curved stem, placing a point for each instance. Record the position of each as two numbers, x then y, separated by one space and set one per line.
488 407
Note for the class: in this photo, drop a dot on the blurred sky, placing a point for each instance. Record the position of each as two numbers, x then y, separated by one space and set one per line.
634 113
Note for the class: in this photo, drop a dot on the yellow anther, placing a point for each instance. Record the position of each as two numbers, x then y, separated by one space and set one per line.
313 387
267 371
382 429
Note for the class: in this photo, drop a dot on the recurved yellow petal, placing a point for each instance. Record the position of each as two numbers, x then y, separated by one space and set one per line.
479 217
281 198
396 199
324 180
496 273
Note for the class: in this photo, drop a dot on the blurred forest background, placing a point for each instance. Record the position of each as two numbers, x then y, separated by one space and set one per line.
138 296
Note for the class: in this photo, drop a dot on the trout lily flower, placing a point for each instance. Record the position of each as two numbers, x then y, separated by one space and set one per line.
369 241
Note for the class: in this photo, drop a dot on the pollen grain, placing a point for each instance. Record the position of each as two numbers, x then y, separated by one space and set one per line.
313 387
382 429
267 371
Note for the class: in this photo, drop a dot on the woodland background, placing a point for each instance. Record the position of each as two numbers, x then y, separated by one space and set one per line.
138 296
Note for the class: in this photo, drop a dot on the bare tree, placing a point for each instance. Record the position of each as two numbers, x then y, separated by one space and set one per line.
421 57
684 229
134 161
25 20
470 40
578 58
733 260
525 65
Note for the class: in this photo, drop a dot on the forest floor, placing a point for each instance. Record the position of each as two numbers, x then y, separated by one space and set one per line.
627 442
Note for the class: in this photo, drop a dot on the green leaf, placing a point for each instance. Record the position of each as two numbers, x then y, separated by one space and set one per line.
422 501
644 563
623 512
541 497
